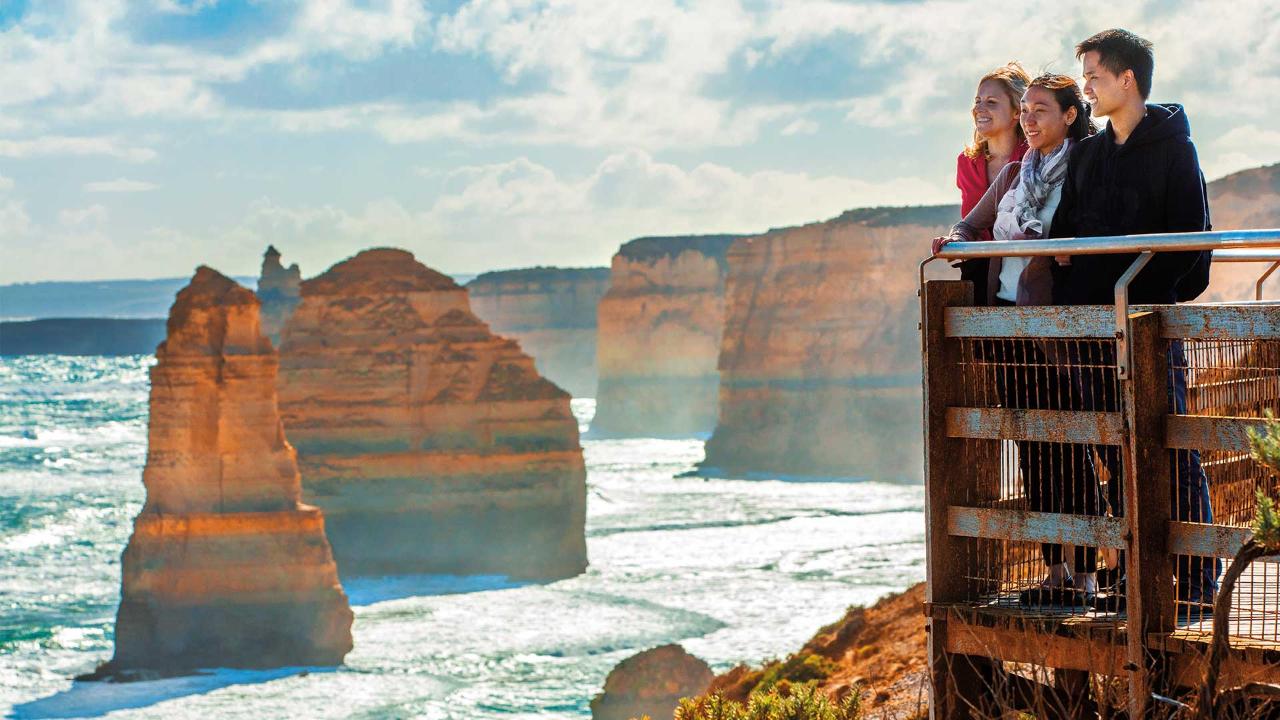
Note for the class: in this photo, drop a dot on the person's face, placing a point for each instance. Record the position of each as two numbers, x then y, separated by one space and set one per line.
993 114
1105 90
1043 121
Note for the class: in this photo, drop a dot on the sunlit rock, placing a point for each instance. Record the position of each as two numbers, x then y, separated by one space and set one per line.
433 445
225 566
820 360
660 327
551 312
651 683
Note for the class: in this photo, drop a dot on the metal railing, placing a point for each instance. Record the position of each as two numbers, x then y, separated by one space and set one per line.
1256 245
1043 442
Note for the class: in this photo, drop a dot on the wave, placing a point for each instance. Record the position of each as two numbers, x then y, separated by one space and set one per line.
747 522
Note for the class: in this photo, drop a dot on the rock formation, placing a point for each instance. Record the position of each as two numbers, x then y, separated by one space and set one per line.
278 291
225 567
1249 199
432 445
660 326
820 361
651 683
551 312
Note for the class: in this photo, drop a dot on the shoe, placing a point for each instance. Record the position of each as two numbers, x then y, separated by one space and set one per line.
1054 596
1111 602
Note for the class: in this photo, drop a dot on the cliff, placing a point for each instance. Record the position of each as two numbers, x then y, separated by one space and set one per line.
551 312
1249 199
81 336
660 326
820 359
225 567
278 290
432 445
92 299
881 649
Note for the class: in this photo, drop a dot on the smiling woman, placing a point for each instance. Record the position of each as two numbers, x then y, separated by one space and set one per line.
997 140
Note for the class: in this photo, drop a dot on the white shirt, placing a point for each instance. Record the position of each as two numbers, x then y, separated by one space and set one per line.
1005 226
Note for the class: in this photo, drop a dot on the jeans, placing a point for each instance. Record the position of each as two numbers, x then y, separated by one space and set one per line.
1052 473
1197 576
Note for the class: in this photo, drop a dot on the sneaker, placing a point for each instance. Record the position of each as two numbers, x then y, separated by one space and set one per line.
1111 602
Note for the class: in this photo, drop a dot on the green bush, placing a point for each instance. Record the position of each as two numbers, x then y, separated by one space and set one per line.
801 703
799 669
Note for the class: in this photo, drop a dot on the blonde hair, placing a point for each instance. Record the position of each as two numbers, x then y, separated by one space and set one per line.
1015 80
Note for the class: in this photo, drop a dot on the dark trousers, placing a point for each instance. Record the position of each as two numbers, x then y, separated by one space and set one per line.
1053 474
1098 390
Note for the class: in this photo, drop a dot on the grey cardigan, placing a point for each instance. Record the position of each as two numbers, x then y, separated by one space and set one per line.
1035 285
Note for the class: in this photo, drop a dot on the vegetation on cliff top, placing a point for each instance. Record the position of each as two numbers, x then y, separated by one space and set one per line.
492 280
804 703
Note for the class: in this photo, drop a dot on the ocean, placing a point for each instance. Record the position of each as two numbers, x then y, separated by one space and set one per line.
735 570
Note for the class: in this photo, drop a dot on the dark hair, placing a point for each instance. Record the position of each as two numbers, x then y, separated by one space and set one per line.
1068 94
1119 50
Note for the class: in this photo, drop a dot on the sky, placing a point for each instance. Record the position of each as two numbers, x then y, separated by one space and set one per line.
140 139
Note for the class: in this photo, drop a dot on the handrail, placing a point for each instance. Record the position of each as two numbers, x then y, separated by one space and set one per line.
1162 242
1232 243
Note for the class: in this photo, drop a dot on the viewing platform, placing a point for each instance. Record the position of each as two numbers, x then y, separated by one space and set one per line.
1057 429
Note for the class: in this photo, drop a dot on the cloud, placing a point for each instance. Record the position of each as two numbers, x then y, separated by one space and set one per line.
119 185
800 126
1240 148
14 221
59 145
93 215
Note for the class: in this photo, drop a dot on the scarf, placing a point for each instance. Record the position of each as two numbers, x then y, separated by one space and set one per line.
1036 180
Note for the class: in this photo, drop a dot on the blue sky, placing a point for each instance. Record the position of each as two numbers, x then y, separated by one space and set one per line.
139 139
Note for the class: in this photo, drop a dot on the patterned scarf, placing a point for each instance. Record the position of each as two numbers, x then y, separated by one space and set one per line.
1038 177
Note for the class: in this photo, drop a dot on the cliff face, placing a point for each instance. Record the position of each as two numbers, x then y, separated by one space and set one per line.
660 326
278 289
551 312
225 567
820 360
432 445
81 336
1249 199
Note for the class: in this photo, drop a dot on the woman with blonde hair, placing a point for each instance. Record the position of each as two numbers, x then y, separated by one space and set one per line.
998 139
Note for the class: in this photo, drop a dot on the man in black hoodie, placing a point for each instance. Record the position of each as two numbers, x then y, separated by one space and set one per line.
1140 176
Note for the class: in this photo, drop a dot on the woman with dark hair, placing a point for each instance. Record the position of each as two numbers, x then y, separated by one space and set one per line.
997 140
1019 205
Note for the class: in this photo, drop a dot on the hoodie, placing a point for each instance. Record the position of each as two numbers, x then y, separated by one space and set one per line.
1150 184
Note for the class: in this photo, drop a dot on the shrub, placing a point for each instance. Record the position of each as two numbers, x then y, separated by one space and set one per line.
800 703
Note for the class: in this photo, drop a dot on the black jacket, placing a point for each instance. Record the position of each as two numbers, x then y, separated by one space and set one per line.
1150 184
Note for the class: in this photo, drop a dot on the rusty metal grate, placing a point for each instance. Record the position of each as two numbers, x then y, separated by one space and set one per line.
1229 378
1026 475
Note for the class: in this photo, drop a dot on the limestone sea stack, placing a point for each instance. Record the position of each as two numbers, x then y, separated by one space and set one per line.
660 326
225 566
551 312
820 361
432 445
278 289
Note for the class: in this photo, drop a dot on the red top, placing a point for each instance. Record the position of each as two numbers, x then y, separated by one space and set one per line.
971 178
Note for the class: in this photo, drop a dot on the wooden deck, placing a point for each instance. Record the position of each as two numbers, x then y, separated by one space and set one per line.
982 532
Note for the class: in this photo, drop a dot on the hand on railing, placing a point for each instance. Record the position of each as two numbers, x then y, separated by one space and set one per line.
938 242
